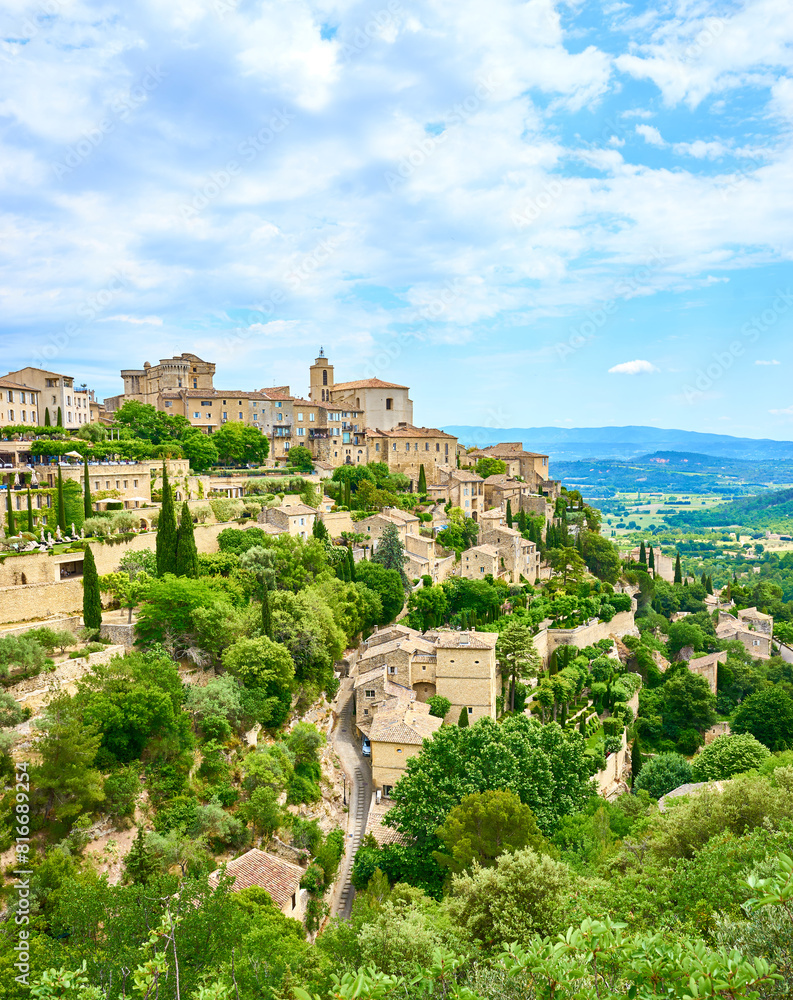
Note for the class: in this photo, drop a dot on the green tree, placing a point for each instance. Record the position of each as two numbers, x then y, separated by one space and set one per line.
422 487
387 583
427 608
60 418
768 716
684 633
462 722
261 663
301 458
636 760
263 812
520 896
601 556
128 591
439 706
166 530
186 552
486 467
390 552
88 507
568 562
200 450
92 598
61 504
261 562
320 531
239 444
678 570
642 554
11 525
47 421
484 826
31 524
66 780
517 655
509 513
663 773
651 561
728 755
140 865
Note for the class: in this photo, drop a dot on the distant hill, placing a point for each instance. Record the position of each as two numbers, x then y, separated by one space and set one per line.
772 509
623 443
670 471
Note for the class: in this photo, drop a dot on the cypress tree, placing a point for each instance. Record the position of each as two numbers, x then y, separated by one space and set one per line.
267 618
351 565
704 580
88 507
709 584
422 481
522 521
47 421
166 530
636 760
651 559
30 512
61 504
509 513
186 552
642 554
678 570
140 864
462 722
390 552
347 494
60 418
92 601
319 530
579 544
12 524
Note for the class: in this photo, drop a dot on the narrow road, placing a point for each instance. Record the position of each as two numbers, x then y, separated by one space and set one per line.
359 794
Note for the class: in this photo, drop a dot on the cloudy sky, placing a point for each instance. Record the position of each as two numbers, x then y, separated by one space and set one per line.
531 212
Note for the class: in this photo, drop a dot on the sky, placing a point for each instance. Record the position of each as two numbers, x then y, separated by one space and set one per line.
532 213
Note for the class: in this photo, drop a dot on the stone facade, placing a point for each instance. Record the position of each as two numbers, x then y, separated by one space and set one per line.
298 519
54 391
19 402
405 448
756 643
708 667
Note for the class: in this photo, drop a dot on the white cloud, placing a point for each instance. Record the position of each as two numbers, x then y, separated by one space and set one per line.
650 134
787 412
774 362
138 320
634 368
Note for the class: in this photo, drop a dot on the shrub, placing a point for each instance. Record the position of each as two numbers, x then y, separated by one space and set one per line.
663 773
728 755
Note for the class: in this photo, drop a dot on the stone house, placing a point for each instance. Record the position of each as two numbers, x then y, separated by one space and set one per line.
19 403
279 878
426 558
297 519
460 666
405 448
708 667
373 527
517 556
397 733
757 644
479 561
51 391
531 466
756 620
466 490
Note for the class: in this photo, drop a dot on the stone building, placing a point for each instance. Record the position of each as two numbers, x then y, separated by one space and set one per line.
19 403
708 667
297 519
279 878
757 644
52 392
517 556
531 466
405 448
479 561
397 732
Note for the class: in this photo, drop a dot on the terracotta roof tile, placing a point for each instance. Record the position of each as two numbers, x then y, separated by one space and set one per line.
367 383
281 879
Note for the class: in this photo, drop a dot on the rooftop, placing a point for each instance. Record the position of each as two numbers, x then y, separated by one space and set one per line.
410 430
448 639
280 878
403 721
367 383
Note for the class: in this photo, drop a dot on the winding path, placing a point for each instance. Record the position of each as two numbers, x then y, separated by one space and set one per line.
359 778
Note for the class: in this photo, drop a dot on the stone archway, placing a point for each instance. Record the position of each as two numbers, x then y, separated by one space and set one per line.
424 690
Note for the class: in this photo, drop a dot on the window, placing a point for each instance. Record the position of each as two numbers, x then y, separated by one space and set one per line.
311 417
195 383
280 416
10 396
69 417
96 484
135 483
107 484
369 693
325 377
68 400
279 404
437 447
399 749
392 670
300 416
197 416
126 481
10 414
24 416
294 900
168 403
206 402
426 446
407 446
240 414
470 710
366 711
225 415
389 404
377 446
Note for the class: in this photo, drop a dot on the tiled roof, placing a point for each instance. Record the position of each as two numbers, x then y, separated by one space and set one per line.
280 878
464 476
410 430
298 508
42 371
212 394
381 833
8 383
367 383
403 722
487 550
373 674
476 640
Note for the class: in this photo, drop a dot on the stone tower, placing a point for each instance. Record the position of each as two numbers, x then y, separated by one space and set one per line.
321 373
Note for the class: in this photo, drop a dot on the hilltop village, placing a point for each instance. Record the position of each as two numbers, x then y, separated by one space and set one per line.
344 678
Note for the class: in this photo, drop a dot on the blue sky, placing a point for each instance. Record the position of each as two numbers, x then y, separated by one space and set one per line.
531 212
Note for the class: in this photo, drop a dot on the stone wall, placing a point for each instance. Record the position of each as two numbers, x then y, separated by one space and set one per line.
34 692
120 633
60 623
52 596
547 640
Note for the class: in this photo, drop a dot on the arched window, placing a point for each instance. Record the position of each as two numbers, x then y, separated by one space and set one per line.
325 377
